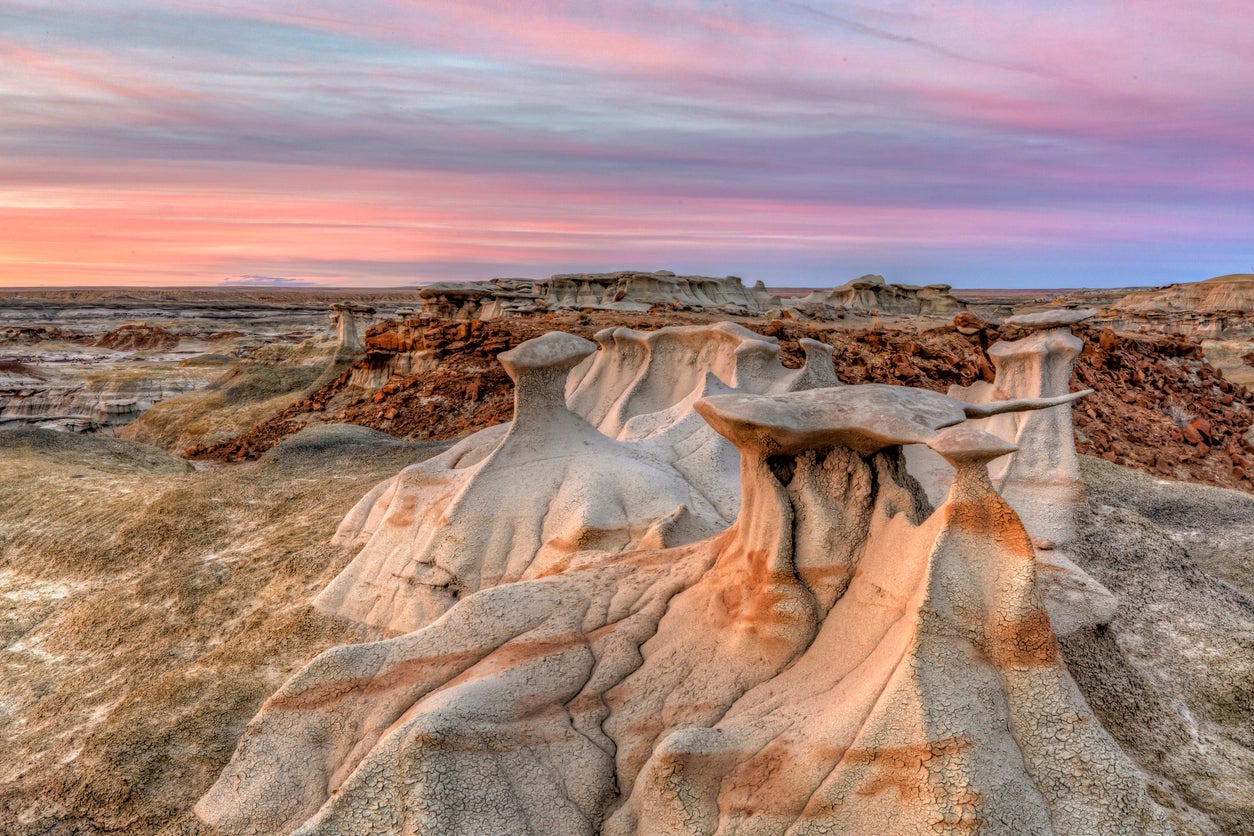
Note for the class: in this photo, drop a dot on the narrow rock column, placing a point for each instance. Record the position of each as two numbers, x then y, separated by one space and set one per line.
1042 480
345 317
539 369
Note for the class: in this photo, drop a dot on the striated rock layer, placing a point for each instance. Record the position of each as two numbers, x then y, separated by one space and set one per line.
1221 308
625 290
842 659
1234 292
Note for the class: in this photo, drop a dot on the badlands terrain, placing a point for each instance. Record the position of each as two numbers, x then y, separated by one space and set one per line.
627 553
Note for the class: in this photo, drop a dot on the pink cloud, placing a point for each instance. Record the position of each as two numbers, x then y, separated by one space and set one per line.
557 132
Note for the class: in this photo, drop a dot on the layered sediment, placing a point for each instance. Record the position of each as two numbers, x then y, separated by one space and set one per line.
627 291
1221 308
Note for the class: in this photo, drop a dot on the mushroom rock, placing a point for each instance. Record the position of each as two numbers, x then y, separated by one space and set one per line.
930 698
551 485
350 322
838 660
1042 480
791 554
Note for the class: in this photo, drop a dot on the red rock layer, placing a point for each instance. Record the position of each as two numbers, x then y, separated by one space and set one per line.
1160 406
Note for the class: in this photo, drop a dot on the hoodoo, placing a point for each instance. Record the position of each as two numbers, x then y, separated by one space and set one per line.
350 323
842 657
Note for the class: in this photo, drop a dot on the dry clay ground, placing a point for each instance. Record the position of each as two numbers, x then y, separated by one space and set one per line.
147 609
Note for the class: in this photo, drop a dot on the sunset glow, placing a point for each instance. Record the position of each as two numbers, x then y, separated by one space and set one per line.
977 143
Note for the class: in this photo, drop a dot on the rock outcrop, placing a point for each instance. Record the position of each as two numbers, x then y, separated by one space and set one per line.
49 397
1221 308
1234 292
138 338
871 294
625 290
841 658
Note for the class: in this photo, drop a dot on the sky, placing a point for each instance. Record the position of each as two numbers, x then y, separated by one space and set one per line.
994 143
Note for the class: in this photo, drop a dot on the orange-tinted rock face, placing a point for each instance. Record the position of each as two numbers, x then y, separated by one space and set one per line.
843 658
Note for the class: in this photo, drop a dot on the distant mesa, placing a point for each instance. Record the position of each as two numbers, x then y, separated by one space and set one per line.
872 294
662 290
138 338
624 291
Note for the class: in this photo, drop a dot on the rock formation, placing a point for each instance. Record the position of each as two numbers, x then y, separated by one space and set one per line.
641 372
1221 308
138 338
487 513
1042 480
1233 292
872 294
350 324
628 291
625 290
620 461
108 398
842 658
